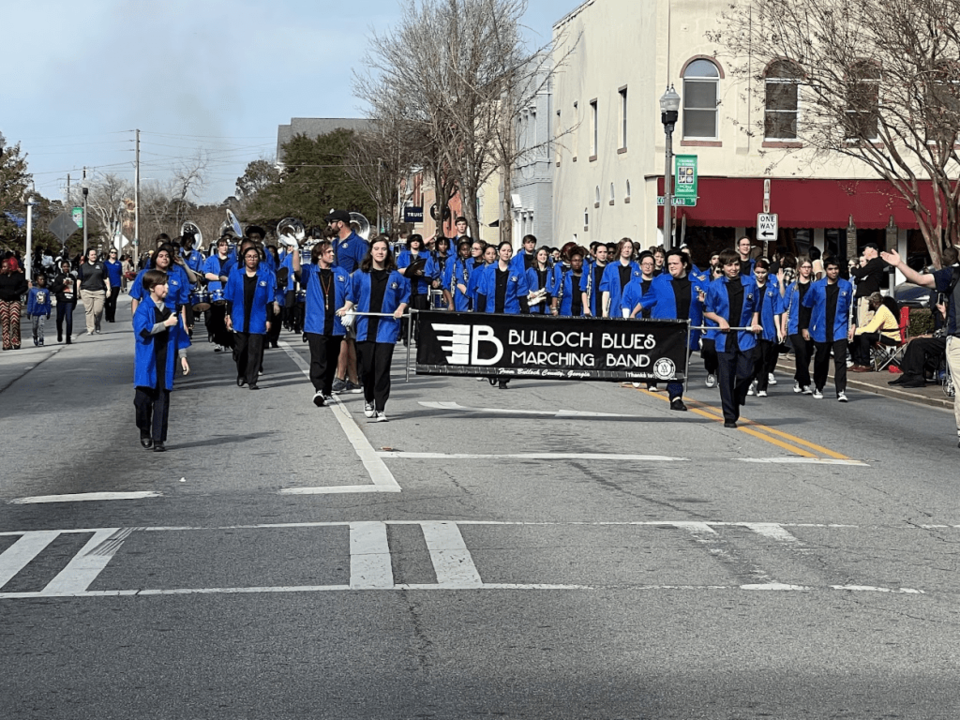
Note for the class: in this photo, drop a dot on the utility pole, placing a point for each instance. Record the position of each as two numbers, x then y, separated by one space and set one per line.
68 203
86 225
136 206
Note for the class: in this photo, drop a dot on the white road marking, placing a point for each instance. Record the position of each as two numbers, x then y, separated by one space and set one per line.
83 569
804 461
22 552
870 588
449 555
383 479
528 456
771 530
506 411
370 564
86 497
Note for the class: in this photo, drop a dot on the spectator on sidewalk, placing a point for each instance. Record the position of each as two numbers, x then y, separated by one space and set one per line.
93 290
39 304
64 287
114 270
923 357
13 284
869 277
884 328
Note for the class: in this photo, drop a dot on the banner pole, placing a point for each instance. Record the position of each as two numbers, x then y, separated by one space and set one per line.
687 351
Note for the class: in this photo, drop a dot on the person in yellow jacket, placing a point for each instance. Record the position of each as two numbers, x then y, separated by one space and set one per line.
884 327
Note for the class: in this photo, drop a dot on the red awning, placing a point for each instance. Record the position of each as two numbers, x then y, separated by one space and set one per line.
735 202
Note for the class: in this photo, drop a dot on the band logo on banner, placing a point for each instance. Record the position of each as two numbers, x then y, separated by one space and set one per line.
451 343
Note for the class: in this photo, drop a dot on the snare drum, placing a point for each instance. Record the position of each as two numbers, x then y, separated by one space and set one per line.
216 297
200 300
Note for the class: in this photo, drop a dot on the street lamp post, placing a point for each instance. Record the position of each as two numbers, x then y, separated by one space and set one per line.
86 191
31 201
669 112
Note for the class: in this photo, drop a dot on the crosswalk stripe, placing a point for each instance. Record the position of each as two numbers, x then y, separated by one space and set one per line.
451 559
370 563
83 569
22 553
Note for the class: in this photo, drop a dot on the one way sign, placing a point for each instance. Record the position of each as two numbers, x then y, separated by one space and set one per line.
767 228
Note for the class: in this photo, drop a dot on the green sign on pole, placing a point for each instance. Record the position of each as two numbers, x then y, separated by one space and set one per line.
685 176
78 216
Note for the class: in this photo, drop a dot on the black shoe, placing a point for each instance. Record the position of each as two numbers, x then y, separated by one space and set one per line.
254 386
59 338
677 404
729 424
493 380
899 380
241 381
146 442
913 384
158 447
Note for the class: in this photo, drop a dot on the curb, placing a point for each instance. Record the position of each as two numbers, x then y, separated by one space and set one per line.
890 391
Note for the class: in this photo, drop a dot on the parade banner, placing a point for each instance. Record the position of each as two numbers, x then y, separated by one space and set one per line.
562 348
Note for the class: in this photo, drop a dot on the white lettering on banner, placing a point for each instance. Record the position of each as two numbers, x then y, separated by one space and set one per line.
550 339
555 359
485 334
628 361
638 341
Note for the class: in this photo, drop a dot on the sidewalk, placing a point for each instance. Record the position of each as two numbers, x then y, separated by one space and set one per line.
877 383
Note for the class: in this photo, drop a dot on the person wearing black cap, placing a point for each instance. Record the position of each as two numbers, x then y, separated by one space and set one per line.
349 250
869 276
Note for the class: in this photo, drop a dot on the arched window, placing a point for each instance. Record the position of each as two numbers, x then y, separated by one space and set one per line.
782 84
863 101
701 80
627 196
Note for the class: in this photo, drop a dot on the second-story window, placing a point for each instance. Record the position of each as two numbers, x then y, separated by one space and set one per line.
701 81
782 108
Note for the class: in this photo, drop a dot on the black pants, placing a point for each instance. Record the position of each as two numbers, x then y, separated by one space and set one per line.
764 361
734 373
802 352
153 410
708 352
218 326
923 356
324 355
821 364
273 334
110 304
248 352
65 314
862 344
373 362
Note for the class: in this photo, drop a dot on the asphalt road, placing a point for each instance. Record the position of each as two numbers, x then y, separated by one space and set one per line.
556 550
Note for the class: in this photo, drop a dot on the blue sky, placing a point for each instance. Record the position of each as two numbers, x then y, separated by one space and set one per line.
80 77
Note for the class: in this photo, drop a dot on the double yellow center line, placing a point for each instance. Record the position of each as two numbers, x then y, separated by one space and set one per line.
785 441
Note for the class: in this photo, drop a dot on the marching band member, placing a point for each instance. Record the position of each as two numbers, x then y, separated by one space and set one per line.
708 341
524 259
416 265
248 293
216 270
732 302
638 287
477 276
569 296
275 308
617 276
328 289
540 279
440 259
349 251
592 278
458 275
795 317
377 287
503 287
830 301
178 284
770 307
675 295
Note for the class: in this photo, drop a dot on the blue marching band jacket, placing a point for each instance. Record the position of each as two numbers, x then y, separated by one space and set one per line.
397 293
718 301
611 283
315 315
178 287
661 300
772 306
816 299
517 287
567 284
263 294
145 371
791 306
